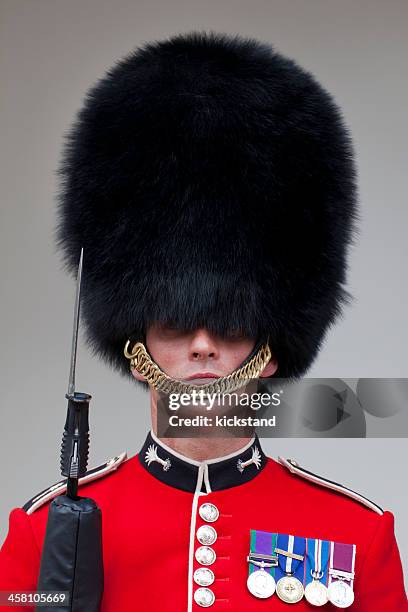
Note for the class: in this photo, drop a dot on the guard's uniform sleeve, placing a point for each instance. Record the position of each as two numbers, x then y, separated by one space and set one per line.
381 579
19 558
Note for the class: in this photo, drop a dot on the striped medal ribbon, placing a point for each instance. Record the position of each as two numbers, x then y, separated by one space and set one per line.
341 574
262 562
316 570
291 554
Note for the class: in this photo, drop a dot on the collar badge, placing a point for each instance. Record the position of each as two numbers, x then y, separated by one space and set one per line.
151 455
256 459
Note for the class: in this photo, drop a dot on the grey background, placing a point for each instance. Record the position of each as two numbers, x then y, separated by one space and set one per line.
51 51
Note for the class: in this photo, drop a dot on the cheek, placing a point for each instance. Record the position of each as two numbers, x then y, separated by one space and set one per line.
166 354
235 355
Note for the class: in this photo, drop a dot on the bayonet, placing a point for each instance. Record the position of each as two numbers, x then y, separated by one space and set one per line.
71 383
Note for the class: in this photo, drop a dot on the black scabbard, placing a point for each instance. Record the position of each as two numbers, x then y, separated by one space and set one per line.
72 554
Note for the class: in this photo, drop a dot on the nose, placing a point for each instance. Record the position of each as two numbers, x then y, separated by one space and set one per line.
203 346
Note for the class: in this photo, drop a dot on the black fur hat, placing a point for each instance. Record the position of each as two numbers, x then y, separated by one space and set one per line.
211 183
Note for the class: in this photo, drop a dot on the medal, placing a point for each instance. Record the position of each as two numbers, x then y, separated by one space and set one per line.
340 594
290 551
261 584
262 563
289 589
316 593
341 571
317 561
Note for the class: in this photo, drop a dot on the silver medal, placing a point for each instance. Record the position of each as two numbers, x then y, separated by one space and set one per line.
340 594
316 593
261 584
289 589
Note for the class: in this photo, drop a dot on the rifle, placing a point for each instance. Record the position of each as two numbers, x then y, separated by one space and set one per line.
72 560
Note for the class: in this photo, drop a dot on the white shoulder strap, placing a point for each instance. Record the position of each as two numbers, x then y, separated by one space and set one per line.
60 487
295 468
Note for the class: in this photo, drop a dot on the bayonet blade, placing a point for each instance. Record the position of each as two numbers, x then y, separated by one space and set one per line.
71 383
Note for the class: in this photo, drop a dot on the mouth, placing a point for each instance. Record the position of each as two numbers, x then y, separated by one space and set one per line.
202 376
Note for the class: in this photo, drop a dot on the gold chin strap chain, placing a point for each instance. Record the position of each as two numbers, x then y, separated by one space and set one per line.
144 364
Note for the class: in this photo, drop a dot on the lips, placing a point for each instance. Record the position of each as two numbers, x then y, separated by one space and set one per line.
201 376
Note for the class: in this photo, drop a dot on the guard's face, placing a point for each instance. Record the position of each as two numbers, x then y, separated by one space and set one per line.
198 356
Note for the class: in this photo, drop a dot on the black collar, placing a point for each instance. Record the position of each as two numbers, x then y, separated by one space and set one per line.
182 473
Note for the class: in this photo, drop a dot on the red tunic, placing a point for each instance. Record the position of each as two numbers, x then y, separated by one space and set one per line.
150 525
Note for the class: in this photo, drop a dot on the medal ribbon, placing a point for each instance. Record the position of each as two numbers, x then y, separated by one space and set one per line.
317 560
286 564
262 543
342 558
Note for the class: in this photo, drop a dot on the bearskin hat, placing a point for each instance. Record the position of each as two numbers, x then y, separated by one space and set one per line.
211 183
